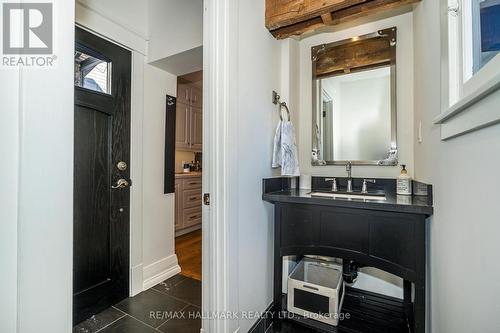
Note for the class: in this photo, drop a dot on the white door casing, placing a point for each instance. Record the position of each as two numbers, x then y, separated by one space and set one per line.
220 225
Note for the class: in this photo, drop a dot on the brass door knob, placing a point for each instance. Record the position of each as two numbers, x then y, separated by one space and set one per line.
122 166
121 183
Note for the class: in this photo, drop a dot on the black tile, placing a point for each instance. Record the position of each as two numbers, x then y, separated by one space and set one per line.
128 325
97 322
190 323
264 322
258 327
151 307
188 290
289 327
168 284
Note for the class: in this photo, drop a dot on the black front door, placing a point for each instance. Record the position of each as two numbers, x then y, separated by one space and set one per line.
101 175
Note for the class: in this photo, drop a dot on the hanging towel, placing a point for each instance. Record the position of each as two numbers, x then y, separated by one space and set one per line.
285 149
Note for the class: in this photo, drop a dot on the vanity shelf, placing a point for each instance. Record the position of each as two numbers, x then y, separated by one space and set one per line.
389 235
368 313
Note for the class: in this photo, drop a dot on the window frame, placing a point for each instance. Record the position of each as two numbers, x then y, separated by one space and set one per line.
463 47
461 89
80 47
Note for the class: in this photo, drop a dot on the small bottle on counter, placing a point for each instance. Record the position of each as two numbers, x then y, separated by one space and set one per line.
403 182
185 167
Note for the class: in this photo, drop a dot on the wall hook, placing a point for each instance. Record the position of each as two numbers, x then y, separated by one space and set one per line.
276 97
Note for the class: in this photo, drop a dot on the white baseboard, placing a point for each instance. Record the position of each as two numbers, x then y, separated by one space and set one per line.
187 230
160 270
136 280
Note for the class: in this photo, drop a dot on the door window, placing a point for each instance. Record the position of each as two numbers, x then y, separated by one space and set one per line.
92 73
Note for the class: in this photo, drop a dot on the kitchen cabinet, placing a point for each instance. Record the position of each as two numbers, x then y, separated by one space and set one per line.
184 93
182 128
188 203
189 118
196 130
196 97
178 204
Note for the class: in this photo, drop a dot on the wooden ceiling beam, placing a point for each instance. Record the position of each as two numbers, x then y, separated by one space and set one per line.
370 8
282 13
327 18
357 9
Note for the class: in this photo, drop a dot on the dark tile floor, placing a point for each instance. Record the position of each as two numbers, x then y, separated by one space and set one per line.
170 307
289 327
267 326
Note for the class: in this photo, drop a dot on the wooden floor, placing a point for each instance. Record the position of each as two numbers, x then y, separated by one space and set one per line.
188 250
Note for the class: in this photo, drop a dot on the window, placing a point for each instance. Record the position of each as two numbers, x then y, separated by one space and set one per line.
92 73
483 39
474 45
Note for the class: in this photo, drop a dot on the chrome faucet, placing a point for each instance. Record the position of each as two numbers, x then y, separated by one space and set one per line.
364 190
334 183
348 168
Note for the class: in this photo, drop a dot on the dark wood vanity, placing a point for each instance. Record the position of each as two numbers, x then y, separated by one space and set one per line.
389 235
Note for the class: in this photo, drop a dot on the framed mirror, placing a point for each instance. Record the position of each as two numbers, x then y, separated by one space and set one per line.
354 101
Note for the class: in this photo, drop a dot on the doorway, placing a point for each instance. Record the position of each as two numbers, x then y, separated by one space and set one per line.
189 173
101 175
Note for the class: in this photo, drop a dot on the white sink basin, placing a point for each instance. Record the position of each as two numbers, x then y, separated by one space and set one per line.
348 196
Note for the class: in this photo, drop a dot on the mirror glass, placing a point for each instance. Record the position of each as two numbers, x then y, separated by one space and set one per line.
354 104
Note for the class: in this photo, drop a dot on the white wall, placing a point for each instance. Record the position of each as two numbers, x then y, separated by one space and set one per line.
131 15
463 268
258 75
290 78
38 167
158 208
404 24
175 27
9 177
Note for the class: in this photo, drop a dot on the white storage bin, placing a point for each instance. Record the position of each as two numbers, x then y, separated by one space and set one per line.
316 290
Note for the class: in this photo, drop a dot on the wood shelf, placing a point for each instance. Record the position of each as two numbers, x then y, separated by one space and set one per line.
368 313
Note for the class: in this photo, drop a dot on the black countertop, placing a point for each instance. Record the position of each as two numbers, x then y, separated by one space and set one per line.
280 190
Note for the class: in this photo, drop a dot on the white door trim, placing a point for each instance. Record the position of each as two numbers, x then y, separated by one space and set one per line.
220 233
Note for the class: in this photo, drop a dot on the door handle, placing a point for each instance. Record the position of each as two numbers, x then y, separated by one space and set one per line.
121 183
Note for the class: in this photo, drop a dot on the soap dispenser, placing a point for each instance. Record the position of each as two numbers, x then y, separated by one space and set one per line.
403 182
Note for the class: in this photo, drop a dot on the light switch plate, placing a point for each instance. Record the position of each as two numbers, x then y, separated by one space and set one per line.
419 135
